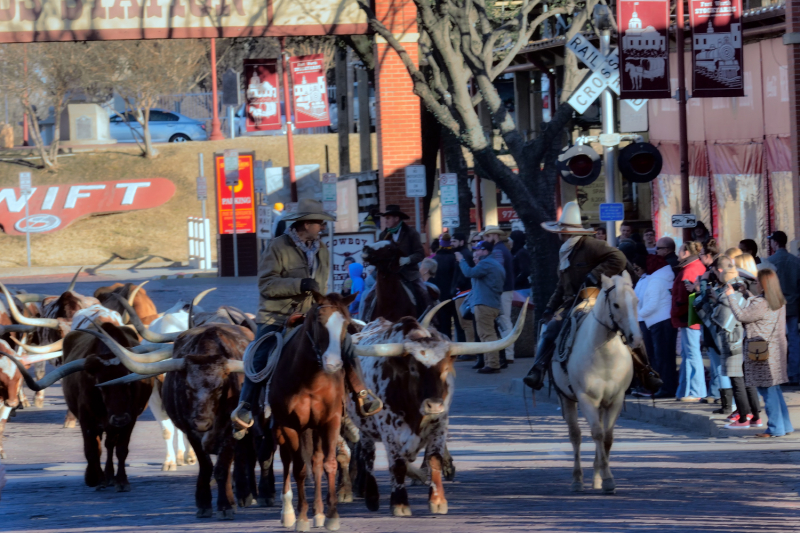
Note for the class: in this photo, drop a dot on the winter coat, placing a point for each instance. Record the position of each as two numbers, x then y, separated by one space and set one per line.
502 255
356 279
787 267
410 246
280 271
445 270
761 321
460 281
688 270
487 282
639 289
722 328
655 305
522 261
589 255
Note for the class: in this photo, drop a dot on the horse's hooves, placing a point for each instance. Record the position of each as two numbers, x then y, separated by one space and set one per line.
266 502
288 519
169 466
345 497
401 510
332 524
319 520
302 525
598 484
576 486
122 487
438 508
68 424
371 495
2 454
179 459
39 402
609 487
204 513
226 514
191 458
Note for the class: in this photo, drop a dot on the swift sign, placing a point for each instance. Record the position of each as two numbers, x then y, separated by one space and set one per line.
54 207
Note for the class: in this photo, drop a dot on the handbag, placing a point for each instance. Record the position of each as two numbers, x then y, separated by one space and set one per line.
758 347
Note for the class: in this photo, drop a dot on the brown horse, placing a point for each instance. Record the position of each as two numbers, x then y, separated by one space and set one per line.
306 400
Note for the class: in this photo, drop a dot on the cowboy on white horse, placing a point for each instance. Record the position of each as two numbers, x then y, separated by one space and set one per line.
582 261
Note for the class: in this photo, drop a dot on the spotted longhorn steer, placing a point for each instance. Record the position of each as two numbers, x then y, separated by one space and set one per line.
410 367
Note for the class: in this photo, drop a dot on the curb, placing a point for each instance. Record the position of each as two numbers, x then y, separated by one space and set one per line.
640 410
188 276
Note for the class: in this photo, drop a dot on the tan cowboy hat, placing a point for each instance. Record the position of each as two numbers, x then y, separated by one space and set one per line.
494 230
570 222
308 209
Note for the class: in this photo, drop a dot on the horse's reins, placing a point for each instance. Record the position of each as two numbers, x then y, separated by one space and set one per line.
615 327
317 351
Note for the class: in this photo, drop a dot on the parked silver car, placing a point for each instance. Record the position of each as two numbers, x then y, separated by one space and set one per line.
165 126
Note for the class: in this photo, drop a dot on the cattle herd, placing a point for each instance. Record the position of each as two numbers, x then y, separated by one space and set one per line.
115 354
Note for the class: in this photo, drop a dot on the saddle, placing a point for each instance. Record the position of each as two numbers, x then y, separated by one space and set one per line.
586 300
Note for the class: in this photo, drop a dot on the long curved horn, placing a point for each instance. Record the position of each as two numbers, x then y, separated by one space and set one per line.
130 378
469 348
74 279
235 366
49 379
32 359
147 348
380 350
51 323
129 358
426 320
29 297
132 297
16 328
195 302
141 328
50 348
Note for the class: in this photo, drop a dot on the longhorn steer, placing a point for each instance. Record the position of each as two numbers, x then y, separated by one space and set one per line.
416 390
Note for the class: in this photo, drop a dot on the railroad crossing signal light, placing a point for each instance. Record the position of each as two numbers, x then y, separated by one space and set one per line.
640 162
579 165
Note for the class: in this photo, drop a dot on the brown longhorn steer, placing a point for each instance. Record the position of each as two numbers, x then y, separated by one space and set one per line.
136 297
306 397
200 390
410 368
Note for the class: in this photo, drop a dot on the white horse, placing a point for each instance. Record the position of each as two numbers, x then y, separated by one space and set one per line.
597 374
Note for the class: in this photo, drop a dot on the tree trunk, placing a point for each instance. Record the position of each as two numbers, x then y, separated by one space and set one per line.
37 137
57 109
149 150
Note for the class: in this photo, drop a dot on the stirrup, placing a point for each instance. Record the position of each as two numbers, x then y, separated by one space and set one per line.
376 404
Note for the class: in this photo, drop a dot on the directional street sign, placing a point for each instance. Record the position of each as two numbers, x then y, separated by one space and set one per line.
605 75
329 181
25 183
231 168
684 221
416 186
448 195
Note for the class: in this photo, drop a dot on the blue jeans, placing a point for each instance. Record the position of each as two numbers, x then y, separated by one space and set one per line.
718 380
691 379
778 420
793 357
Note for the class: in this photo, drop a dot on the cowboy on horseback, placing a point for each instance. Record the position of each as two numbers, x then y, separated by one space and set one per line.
295 264
412 253
582 261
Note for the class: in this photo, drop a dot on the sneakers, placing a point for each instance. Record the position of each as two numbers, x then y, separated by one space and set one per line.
738 425
756 423
735 416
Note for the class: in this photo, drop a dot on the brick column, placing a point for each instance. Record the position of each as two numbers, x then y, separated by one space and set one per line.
398 116
793 54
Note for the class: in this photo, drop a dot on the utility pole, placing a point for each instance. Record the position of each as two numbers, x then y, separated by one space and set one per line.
683 135
609 152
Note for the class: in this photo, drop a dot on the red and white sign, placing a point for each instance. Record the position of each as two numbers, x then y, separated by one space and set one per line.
644 48
245 206
262 100
310 91
717 54
54 207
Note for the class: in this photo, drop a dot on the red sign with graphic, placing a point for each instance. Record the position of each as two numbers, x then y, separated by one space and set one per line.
717 53
643 48
54 207
262 96
310 91
245 204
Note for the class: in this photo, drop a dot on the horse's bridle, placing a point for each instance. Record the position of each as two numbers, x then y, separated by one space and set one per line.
317 351
615 327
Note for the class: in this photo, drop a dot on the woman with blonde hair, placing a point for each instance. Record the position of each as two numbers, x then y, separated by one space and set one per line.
733 253
764 319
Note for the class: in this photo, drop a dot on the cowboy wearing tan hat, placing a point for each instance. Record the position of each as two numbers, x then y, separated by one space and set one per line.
582 261
294 265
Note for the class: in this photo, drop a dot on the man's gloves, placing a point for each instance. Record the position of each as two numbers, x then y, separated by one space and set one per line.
591 280
404 261
309 284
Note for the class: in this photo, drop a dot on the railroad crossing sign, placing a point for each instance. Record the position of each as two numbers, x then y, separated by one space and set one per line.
605 72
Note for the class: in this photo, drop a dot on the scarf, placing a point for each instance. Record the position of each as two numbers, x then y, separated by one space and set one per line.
392 231
565 251
309 251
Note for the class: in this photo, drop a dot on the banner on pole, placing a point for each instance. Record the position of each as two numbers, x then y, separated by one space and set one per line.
644 48
717 54
310 91
262 104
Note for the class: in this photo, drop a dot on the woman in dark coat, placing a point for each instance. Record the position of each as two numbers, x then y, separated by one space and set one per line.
522 261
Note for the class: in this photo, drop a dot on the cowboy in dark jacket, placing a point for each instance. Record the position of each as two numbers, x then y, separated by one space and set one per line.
412 253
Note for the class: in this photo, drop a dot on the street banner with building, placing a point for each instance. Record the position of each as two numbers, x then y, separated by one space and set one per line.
644 48
245 203
717 55
310 91
262 104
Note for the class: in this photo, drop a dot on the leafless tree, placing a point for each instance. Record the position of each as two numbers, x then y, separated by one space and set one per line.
464 46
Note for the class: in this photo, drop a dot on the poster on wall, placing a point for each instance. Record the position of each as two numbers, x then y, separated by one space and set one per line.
644 48
344 246
245 204
717 54
262 103
310 91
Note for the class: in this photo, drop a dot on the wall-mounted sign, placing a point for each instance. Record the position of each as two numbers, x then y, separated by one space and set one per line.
717 53
644 48
54 207
245 205
262 102
310 91
347 245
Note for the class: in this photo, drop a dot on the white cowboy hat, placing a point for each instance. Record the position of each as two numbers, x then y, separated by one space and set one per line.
570 222
308 209
494 230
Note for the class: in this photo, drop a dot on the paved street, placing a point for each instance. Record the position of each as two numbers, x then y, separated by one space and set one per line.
514 471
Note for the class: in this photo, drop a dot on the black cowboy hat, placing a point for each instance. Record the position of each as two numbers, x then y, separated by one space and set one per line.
394 210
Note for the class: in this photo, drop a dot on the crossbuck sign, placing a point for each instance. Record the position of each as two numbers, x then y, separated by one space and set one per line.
605 73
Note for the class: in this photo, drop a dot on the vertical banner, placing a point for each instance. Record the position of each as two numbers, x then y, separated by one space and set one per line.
644 48
245 204
310 91
717 58
262 104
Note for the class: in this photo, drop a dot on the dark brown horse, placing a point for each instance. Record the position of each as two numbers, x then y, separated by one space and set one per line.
306 398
